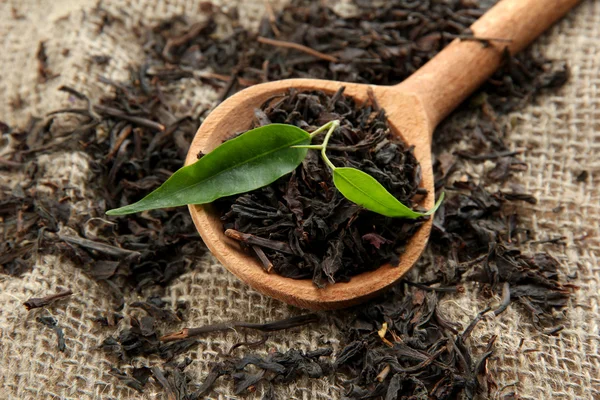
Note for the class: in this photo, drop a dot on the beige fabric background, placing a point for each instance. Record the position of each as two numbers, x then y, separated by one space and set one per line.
561 134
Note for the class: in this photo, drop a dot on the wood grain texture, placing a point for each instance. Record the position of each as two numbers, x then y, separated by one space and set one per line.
452 75
414 108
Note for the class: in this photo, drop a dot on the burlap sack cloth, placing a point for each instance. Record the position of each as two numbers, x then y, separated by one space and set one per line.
561 134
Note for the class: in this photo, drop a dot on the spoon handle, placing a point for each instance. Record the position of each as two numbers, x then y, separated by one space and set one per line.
452 75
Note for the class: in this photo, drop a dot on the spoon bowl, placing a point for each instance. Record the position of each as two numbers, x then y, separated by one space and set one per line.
234 115
413 107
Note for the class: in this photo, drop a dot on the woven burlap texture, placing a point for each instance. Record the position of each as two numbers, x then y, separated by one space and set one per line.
561 134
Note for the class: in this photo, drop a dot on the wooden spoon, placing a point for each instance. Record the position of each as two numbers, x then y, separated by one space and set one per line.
414 108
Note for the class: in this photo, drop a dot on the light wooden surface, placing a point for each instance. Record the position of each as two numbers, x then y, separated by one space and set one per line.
414 108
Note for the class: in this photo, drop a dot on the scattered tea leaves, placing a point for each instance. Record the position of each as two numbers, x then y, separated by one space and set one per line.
138 379
277 367
174 382
160 313
109 320
139 339
418 354
476 235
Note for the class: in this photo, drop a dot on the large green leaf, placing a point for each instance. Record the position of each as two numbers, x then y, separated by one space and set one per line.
250 161
364 190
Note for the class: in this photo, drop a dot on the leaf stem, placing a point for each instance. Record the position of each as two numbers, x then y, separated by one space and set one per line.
331 126
323 128
334 125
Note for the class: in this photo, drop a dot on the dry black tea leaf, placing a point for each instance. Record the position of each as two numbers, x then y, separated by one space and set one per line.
51 323
140 338
137 380
582 176
157 311
283 324
36 302
44 73
109 319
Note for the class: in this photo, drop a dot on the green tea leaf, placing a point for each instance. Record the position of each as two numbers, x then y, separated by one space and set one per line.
364 190
250 161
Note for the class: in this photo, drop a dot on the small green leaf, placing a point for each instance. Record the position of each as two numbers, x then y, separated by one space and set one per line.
250 161
364 190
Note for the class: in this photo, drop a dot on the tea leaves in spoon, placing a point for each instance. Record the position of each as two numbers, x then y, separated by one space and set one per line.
364 190
250 161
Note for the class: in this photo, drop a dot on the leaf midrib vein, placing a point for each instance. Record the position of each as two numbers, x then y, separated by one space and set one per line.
237 165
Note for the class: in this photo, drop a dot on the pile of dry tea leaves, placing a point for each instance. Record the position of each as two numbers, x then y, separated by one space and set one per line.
397 346
307 229
134 143
381 43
